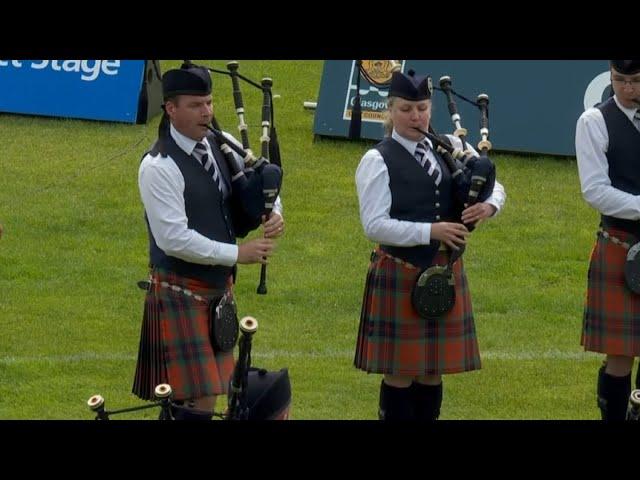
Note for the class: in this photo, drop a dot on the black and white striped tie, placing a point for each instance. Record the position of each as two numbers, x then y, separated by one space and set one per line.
200 151
431 166
636 119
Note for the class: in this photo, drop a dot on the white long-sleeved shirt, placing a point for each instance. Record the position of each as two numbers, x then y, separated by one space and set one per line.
162 191
374 194
592 143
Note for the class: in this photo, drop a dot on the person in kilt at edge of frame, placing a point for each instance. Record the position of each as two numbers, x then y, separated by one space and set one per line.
185 186
608 150
406 205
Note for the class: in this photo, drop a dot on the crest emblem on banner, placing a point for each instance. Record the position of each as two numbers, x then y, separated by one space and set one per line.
379 72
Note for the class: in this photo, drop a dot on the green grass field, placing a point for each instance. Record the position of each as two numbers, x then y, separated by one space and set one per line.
75 244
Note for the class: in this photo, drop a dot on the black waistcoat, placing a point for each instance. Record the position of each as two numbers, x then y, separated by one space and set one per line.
207 213
416 198
623 156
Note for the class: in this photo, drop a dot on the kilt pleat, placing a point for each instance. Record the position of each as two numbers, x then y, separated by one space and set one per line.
611 320
151 369
393 339
175 346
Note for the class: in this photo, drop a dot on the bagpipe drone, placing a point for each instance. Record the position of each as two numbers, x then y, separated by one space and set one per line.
257 182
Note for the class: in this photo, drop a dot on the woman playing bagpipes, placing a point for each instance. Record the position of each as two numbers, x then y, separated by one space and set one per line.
409 206
187 189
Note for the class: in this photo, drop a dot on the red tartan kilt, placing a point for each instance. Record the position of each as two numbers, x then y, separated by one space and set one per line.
174 343
393 339
611 322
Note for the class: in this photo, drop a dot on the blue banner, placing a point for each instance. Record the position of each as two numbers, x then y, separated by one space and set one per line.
91 89
533 104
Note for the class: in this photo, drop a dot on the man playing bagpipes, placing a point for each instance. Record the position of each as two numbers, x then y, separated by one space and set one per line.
409 207
189 324
608 154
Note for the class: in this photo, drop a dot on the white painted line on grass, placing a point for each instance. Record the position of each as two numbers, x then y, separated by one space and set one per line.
284 354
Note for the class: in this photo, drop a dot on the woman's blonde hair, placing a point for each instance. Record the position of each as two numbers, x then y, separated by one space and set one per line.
387 122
